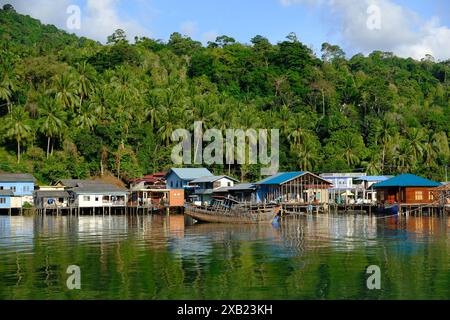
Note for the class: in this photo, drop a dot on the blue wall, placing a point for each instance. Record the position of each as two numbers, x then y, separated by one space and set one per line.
21 188
174 182
7 203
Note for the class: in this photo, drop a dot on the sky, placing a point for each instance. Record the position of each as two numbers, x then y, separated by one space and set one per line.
409 28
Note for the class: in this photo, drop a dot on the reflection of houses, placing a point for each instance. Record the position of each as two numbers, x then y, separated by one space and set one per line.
94 194
206 186
293 187
346 188
16 190
406 189
150 181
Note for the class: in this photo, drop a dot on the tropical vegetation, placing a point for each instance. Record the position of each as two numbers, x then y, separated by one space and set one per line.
73 107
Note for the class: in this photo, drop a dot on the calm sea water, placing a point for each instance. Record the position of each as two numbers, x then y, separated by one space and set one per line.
161 257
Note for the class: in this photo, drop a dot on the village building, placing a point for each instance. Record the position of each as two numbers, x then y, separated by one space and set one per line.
94 194
205 187
179 178
406 189
346 188
293 187
51 197
369 195
150 181
16 190
244 192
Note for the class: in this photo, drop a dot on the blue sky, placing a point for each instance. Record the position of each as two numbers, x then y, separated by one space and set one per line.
408 28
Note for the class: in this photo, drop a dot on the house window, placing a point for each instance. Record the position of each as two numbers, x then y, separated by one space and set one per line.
13 189
229 184
96 199
171 184
431 196
2 200
419 195
86 198
381 196
1 187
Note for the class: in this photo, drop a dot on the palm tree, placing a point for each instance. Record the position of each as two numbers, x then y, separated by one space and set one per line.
7 87
65 90
383 138
86 117
349 147
18 128
51 120
416 139
154 110
307 154
404 157
85 78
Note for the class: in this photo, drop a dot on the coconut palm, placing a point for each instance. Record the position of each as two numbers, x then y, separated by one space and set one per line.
65 90
85 78
416 139
86 117
51 120
18 128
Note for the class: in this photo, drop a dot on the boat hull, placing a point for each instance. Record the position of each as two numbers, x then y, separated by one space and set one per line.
389 210
251 217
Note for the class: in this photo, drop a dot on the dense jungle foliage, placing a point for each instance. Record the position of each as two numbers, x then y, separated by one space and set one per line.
72 107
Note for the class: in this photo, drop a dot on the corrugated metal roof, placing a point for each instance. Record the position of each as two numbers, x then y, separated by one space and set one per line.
406 180
211 179
190 173
281 178
51 194
373 178
16 177
242 186
99 188
221 190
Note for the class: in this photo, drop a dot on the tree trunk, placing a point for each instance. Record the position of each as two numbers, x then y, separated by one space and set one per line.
48 146
323 103
18 151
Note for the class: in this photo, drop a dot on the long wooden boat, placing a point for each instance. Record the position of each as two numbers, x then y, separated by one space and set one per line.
230 211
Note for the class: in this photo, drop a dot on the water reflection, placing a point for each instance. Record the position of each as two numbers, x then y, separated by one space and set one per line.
167 257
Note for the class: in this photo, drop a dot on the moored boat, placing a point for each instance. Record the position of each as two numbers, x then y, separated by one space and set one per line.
230 211
389 210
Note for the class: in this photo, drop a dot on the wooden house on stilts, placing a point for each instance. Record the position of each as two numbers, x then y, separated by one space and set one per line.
293 187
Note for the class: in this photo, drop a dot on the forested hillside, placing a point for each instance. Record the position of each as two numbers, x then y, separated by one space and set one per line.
71 107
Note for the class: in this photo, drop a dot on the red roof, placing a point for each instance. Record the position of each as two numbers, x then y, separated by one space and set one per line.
151 178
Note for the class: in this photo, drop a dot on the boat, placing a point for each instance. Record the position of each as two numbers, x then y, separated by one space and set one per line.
388 210
231 211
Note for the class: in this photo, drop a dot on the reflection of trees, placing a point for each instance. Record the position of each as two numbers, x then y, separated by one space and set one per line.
146 257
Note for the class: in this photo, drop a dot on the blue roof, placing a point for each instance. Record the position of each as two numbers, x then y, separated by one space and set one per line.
373 178
280 178
406 180
190 173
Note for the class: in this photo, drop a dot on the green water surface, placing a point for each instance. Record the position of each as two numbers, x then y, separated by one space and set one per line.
165 257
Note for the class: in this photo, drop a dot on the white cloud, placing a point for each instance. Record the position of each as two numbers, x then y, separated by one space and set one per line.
209 36
189 28
99 18
401 31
